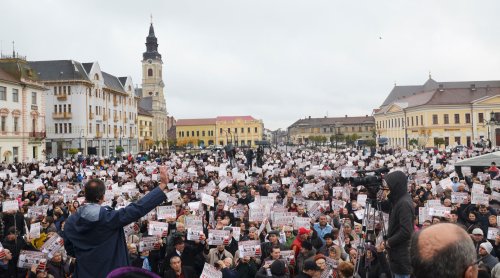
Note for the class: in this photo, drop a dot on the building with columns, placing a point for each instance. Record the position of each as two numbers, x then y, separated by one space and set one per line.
151 94
440 114
88 109
22 111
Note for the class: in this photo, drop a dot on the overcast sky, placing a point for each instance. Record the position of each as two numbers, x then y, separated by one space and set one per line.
277 60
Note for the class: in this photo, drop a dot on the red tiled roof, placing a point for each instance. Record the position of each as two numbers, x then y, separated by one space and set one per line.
187 122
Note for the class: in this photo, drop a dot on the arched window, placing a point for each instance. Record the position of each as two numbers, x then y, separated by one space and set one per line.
96 76
150 72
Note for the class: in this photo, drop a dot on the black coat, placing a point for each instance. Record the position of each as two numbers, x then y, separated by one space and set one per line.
187 271
400 223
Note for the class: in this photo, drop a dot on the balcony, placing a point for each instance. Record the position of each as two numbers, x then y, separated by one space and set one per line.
98 134
105 117
115 119
37 135
62 97
64 115
34 107
91 116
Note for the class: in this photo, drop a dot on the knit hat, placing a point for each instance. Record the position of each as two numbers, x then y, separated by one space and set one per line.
477 231
487 246
303 230
278 268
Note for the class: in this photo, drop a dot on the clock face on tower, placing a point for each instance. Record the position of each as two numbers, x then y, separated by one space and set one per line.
150 61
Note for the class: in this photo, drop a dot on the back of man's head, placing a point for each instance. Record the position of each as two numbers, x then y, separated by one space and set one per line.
94 191
443 251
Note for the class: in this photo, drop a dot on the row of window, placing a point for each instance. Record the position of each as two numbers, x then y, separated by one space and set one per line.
186 134
456 140
63 128
345 129
98 93
15 95
99 110
62 108
121 131
62 90
419 120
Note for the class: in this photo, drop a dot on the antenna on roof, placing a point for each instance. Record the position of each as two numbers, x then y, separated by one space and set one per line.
13 49
430 76
151 16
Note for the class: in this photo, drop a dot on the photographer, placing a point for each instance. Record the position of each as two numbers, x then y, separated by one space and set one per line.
400 207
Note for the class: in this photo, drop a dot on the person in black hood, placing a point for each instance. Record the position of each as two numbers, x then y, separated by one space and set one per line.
401 213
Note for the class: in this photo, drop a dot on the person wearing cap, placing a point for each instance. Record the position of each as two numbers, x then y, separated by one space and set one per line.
485 249
328 238
310 269
267 247
477 237
289 237
302 236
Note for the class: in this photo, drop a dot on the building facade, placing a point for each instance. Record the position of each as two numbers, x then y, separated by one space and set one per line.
152 97
22 111
222 130
440 114
301 131
145 130
89 110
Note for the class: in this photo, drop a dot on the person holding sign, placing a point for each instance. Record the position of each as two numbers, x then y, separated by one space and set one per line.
94 234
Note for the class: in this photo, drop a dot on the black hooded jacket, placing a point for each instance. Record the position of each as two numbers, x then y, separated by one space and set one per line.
400 207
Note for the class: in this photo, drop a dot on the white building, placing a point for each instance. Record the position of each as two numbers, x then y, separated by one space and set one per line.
22 111
88 109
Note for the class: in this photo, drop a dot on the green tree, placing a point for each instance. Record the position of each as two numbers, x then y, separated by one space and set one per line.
73 151
119 149
371 143
413 142
172 142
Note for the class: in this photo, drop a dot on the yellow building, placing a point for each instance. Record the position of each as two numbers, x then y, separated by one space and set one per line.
440 113
300 131
238 130
145 120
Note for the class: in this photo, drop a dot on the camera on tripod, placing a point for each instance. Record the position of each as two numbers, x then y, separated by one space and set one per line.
372 183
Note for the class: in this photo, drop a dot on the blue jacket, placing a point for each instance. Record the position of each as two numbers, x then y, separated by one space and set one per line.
95 236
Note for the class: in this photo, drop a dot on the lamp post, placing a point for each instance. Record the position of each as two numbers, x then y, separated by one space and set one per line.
491 127
80 141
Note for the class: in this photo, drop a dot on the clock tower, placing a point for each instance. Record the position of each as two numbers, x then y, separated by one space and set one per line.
152 81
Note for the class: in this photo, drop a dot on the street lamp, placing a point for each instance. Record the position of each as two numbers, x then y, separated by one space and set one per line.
80 141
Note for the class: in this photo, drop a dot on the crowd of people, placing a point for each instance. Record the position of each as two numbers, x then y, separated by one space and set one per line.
291 213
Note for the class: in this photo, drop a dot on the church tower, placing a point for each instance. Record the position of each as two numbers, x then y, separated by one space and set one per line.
152 81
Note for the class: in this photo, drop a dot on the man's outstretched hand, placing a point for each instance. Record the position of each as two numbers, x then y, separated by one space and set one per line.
163 177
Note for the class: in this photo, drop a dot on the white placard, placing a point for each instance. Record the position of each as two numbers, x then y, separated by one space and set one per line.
166 212
10 205
207 199
249 248
29 258
35 230
156 228
492 233
216 237
210 271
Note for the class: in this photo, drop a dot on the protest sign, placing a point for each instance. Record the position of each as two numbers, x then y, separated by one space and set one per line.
156 228
480 199
147 243
34 230
207 199
459 197
249 248
11 205
301 222
166 212
492 233
30 258
216 237
52 245
194 233
210 271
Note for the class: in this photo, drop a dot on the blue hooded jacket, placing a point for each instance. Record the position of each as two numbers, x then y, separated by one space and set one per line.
95 236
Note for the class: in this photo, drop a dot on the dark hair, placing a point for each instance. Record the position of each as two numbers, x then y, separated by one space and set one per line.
94 190
451 261
307 245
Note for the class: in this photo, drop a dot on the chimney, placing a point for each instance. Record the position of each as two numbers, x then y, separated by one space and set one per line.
366 116
441 87
472 87
309 117
346 116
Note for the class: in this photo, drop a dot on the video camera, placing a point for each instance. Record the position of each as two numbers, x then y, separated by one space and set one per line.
371 182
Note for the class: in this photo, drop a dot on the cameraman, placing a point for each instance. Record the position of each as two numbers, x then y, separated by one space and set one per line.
400 207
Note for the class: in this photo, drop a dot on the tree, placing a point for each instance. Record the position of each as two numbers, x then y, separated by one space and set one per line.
413 142
73 151
438 141
371 143
119 150
172 142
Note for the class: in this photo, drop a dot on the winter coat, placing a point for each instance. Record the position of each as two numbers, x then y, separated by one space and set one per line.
400 223
95 236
